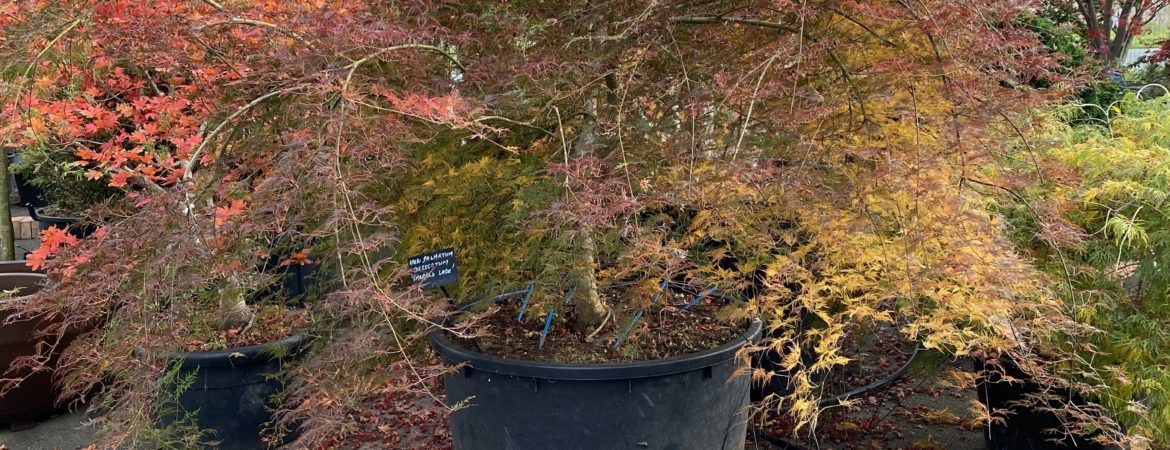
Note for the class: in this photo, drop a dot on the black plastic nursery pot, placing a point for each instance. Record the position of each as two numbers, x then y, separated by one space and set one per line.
772 360
36 397
29 194
44 222
18 266
696 401
232 390
296 282
1025 428
779 384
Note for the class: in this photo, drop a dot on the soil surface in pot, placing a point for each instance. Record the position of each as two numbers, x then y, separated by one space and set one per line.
202 332
662 332
57 211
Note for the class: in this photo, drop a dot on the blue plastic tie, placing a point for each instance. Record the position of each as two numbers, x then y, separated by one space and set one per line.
524 306
661 287
698 298
547 324
629 329
638 315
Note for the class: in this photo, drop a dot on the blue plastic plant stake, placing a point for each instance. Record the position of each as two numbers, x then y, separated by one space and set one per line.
547 324
661 287
524 306
698 298
629 329
638 315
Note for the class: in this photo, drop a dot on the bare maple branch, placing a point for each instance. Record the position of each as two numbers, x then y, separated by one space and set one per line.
141 181
191 162
259 23
431 48
700 20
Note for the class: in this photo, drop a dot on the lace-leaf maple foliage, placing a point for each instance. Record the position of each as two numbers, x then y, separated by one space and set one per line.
1104 198
815 155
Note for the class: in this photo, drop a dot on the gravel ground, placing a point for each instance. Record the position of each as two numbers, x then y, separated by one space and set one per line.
63 432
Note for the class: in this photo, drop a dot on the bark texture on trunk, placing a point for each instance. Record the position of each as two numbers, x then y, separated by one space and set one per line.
589 308
234 311
1112 25
7 236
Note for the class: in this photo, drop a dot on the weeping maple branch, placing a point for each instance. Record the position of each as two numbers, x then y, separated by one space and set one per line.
193 161
700 20
886 41
846 74
431 48
259 23
1020 198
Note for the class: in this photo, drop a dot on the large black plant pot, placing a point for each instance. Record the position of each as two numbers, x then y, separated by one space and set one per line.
35 398
691 402
64 222
296 283
232 390
29 195
780 384
1025 428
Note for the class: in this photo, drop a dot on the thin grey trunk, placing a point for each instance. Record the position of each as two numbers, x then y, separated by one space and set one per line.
7 236
234 311
591 311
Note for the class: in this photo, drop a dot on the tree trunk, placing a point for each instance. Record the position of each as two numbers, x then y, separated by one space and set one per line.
234 311
589 308
7 237
1111 26
591 311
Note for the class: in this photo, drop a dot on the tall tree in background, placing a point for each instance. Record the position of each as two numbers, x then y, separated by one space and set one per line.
1112 24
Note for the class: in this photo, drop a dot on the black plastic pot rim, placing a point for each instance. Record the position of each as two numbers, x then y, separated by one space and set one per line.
37 216
457 354
238 356
17 262
39 277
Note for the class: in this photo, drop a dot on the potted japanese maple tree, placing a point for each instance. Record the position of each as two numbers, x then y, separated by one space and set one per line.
58 190
814 194
185 334
540 140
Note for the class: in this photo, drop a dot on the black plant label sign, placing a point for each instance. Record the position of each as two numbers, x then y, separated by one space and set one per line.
433 269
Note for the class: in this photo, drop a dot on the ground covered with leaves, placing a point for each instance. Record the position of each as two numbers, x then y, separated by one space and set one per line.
931 406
